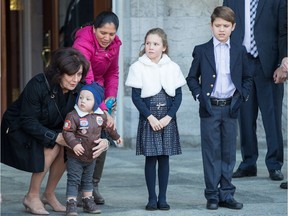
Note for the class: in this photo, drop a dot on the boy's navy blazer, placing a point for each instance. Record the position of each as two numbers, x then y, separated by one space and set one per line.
202 76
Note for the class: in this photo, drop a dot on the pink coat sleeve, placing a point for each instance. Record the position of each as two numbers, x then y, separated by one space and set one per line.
111 78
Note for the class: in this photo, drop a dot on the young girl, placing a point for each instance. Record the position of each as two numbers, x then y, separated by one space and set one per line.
156 92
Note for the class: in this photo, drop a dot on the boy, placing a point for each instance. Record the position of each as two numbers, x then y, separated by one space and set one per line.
82 127
220 80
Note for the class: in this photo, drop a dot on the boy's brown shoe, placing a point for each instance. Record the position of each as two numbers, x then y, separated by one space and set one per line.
71 208
90 206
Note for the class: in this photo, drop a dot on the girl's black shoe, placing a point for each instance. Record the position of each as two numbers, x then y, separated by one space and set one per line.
163 206
283 185
151 206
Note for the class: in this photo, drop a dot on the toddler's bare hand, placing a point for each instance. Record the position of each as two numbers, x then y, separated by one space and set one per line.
78 149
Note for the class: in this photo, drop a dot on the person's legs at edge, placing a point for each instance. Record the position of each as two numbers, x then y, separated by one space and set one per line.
279 92
248 137
100 161
32 199
248 126
270 103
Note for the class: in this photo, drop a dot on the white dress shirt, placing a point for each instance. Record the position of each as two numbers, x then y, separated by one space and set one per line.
224 87
246 41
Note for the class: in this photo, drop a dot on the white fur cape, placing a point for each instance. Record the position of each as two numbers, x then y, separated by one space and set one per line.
151 77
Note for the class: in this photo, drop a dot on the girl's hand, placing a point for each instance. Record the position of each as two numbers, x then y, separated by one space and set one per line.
78 149
155 123
165 120
103 145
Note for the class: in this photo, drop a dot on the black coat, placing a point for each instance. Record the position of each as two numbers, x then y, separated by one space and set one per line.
35 112
270 31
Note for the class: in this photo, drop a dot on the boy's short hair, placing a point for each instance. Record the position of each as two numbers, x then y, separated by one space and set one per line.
223 12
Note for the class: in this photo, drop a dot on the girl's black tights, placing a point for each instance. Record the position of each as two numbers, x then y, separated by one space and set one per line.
163 175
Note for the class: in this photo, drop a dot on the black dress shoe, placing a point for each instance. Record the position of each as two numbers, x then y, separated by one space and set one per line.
276 175
163 206
244 173
283 185
231 204
151 206
212 205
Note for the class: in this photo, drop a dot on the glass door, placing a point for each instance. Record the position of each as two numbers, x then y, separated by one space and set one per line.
61 18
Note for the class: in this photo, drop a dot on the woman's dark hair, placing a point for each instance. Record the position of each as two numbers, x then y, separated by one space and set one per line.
100 20
66 61
104 18
160 32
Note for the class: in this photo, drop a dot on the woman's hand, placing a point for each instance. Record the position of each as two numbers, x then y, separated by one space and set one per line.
119 141
103 145
165 120
110 120
155 123
114 105
60 140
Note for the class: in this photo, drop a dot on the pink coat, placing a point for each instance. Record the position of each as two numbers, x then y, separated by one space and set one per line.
104 68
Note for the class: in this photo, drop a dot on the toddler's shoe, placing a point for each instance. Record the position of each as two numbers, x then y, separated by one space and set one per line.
90 206
71 208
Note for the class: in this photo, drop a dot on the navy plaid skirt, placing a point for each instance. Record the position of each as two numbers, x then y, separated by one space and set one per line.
163 142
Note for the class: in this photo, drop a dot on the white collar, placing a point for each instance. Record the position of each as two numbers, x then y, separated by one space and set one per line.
82 114
146 61
216 42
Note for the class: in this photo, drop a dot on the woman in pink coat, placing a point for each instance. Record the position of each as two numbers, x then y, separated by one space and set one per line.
100 45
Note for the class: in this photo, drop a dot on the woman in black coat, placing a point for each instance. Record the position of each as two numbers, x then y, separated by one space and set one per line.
31 127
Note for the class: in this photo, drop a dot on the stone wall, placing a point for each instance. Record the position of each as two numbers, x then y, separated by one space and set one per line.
187 23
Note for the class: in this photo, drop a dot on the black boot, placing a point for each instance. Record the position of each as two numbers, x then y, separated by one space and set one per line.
97 196
96 178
